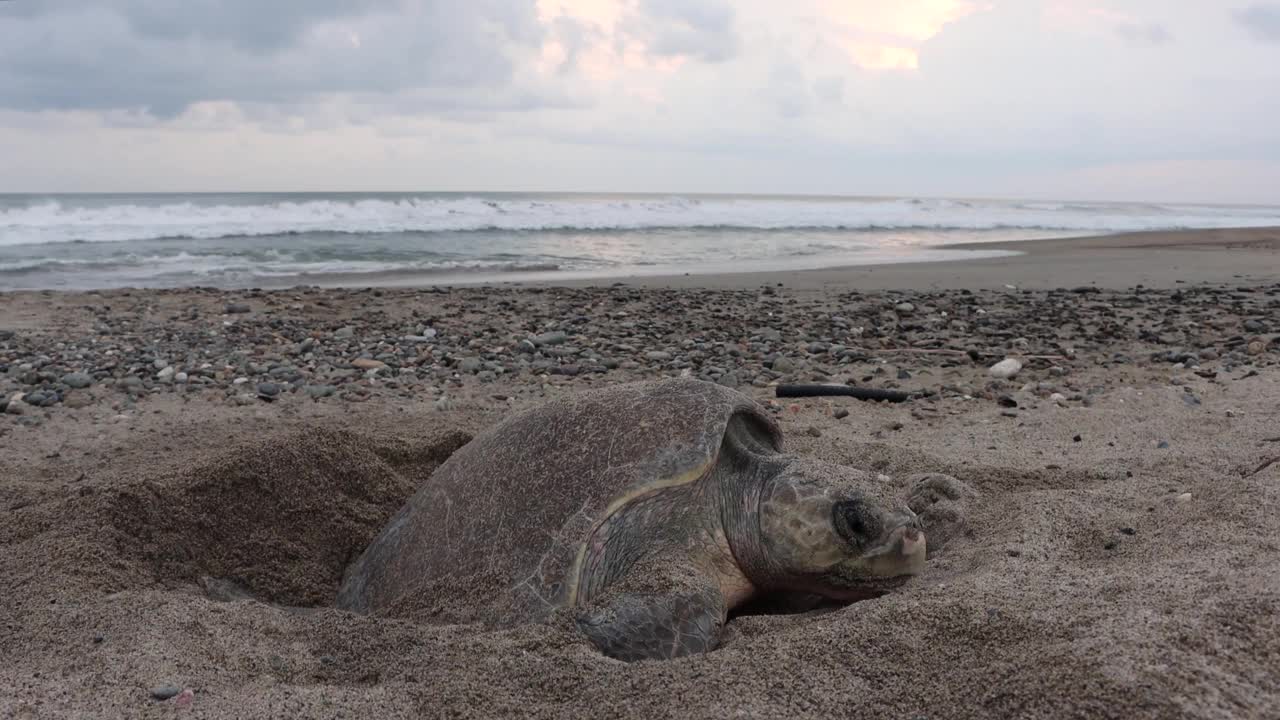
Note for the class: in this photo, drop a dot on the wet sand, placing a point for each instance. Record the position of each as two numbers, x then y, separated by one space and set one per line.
1121 559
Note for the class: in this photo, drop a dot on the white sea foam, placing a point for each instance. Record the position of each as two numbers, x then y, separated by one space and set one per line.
63 221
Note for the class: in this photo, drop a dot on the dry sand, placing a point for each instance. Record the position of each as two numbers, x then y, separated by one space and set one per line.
1123 559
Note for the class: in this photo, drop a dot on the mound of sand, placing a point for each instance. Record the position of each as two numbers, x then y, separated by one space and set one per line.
1094 589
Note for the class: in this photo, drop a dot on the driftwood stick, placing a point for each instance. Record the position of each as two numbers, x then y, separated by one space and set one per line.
1264 466
799 391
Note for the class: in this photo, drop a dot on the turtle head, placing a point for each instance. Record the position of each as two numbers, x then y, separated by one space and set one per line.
834 531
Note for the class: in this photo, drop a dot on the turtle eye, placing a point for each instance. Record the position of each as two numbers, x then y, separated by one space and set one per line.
849 520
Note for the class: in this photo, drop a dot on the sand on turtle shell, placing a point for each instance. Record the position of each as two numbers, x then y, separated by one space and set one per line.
1082 587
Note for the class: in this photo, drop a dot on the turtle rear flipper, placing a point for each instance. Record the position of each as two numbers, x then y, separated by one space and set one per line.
656 627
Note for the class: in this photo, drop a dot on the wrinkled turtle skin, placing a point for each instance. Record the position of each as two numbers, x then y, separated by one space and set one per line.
649 510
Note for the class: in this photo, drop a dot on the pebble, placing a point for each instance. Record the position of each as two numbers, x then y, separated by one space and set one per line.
657 356
237 308
164 692
784 365
268 390
1184 498
369 364
1254 326
76 400
904 308
1006 369
840 413
319 391
166 374
1059 399
15 406
77 380
555 337
344 333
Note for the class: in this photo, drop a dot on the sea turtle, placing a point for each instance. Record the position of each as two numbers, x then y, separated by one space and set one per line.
648 510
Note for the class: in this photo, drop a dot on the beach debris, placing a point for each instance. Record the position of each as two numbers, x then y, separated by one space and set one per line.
1006 369
858 393
185 699
1183 498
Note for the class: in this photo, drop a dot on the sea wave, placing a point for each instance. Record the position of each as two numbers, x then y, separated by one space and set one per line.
58 221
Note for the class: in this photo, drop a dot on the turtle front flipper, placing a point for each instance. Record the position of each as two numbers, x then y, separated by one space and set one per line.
655 627
940 502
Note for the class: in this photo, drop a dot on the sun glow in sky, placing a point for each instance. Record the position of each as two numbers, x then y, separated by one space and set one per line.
1125 99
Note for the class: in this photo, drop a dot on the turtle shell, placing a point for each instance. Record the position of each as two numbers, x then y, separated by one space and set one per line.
496 533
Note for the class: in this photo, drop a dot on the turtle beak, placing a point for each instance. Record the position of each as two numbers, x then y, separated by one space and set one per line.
902 552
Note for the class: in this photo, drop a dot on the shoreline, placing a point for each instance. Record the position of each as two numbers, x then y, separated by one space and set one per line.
1159 259
1154 259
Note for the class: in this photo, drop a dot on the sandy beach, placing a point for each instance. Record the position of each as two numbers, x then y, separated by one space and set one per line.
1122 558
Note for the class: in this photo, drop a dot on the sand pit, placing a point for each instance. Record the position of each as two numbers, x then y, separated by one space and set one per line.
1092 588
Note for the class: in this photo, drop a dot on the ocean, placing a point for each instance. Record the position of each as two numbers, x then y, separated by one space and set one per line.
268 240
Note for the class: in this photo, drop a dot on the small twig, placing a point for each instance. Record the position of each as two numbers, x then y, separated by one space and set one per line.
798 391
1266 464
1274 439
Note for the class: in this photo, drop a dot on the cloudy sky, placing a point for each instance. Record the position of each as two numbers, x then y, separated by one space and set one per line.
1087 99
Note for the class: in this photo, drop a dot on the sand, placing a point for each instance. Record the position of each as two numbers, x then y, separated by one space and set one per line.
1121 560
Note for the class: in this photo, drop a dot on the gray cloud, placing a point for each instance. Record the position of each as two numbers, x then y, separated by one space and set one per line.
697 28
162 55
1144 35
1262 21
